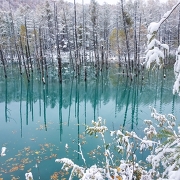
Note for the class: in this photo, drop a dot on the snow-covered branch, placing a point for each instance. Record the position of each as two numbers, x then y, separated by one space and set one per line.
153 53
176 86
160 139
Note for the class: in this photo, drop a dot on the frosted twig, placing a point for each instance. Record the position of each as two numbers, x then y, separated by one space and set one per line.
81 153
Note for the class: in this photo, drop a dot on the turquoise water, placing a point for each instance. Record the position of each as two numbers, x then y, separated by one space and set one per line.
38 120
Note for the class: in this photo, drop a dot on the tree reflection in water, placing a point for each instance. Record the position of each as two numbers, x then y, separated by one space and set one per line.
57 113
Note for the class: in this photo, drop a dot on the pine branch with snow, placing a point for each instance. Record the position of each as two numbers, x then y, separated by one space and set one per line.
154 53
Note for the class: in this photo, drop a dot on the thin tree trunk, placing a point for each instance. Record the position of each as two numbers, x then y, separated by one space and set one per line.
14 36
58 48
117 37
126 34
135 34
22 53
36 47
139 41
28 49
3 62
84 36
27 60
75 33
69 44
41 55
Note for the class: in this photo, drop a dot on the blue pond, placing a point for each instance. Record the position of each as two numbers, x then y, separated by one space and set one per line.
38 120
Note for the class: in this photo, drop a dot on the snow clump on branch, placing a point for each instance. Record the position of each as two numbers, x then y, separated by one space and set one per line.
153 53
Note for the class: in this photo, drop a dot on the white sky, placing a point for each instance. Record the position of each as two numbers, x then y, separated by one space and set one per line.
102 1
99 1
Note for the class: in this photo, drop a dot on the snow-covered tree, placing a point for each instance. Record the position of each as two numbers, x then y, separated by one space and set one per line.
161 141
154 54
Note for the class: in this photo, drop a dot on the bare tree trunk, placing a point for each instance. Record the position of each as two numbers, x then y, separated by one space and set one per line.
41 55
75 33
117 37
9 39
14 36
45 55
135 34
27 59
36 47
126 34
69 44
28 49
139 41
3 62
84 36
84 44
22 53
58 48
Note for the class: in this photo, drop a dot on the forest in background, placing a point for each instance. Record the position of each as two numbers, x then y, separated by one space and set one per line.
36 33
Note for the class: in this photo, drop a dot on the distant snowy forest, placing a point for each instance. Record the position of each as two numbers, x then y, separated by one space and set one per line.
37 29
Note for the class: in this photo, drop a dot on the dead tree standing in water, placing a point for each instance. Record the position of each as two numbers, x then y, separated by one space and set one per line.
126 34
3 62
27 45
57 44
76 39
